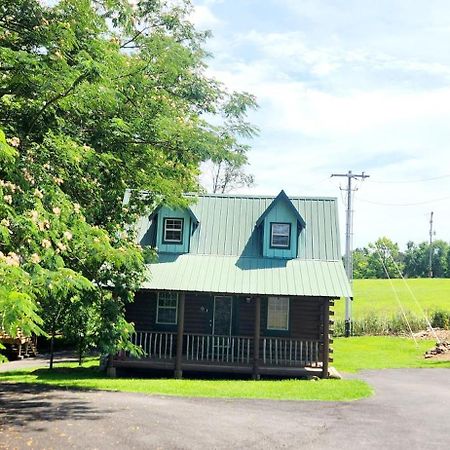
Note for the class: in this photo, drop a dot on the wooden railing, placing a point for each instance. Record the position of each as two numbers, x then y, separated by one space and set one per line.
290 352
274 351
155 344
223 349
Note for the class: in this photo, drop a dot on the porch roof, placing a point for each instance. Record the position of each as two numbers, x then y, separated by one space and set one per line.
248 276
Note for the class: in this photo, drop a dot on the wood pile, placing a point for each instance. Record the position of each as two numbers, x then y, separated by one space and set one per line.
440 349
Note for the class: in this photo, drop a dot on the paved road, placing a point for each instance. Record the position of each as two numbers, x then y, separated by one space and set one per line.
411 410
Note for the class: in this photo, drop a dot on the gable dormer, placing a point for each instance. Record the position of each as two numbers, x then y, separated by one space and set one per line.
174 228
281 225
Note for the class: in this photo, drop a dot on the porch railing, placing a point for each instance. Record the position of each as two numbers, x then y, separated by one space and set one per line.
290 352
223 349
155 344
206 348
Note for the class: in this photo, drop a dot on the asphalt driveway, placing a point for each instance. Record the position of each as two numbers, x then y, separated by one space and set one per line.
411 410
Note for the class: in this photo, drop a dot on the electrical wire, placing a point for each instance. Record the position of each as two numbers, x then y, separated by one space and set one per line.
424 202
396 295
415 299
421 180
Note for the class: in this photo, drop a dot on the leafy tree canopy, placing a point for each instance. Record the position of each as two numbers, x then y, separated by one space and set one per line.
97 96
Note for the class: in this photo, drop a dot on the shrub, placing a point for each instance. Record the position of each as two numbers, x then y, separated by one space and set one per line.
440 319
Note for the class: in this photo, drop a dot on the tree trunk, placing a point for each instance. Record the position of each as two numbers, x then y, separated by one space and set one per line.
52 346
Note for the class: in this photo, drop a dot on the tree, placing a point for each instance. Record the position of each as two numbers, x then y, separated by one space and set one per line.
97 96
360 263
384 256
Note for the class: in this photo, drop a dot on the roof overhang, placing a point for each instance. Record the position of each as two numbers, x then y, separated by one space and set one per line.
248 276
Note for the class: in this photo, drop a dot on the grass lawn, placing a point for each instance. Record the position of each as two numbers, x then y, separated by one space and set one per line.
381 352
87 377
350 355
376 296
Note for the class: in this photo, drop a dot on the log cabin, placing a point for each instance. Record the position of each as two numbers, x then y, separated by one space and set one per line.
243 284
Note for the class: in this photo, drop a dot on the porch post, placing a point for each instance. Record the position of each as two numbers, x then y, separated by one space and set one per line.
180 332
326 337
256 337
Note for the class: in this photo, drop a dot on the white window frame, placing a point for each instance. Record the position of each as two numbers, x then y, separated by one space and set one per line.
158 307
288 235
287 314
165 229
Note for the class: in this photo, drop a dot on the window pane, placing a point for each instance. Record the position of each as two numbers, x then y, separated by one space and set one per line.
280 241
280 235
173 230
167 308
278 313
280 228
172 235
167 315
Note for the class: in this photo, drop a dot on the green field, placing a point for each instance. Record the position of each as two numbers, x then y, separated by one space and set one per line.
378 297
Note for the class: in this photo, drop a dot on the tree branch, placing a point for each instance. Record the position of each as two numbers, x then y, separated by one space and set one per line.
64 94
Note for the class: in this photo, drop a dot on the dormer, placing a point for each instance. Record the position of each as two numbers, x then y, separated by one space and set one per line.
174 228
281 225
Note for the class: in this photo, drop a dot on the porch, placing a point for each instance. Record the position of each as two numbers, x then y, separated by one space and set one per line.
235 354
204 338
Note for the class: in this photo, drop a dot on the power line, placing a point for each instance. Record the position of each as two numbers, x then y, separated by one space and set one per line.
420 180
348 240
424 202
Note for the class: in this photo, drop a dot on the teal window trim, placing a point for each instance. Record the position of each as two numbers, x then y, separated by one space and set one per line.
273 328
282 247
159 307
181 230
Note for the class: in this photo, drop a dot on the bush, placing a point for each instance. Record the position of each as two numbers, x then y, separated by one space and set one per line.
440 319
381 325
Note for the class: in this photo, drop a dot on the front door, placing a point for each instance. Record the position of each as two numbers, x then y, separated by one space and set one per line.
223 313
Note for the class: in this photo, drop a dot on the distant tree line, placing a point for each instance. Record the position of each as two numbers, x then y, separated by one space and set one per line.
385 255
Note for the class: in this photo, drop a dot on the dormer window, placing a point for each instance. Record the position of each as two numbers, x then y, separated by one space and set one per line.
280 235
173 231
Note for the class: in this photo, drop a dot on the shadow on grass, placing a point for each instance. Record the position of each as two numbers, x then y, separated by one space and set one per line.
24 404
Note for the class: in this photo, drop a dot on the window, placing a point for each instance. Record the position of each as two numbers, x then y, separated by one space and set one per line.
173 231
280 235
278 313
166 312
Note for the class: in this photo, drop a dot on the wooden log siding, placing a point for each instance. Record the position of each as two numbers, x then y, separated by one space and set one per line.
198 313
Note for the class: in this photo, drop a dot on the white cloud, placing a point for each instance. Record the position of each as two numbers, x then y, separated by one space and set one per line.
352 99
203 17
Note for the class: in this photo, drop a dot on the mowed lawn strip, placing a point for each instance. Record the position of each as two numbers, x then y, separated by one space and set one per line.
382 352
90 378
377 297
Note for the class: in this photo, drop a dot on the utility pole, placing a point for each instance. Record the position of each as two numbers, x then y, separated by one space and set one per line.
430 260
348 241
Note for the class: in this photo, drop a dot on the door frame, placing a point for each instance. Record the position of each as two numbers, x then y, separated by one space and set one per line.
230 297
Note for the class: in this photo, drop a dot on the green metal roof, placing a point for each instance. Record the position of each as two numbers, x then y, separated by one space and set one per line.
228 226
225 251
248 276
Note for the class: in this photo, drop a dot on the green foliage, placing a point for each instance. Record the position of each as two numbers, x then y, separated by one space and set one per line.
441 319
374 325
413 263
97 97
376 259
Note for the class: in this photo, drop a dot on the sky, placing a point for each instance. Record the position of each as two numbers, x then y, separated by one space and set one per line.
343 85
